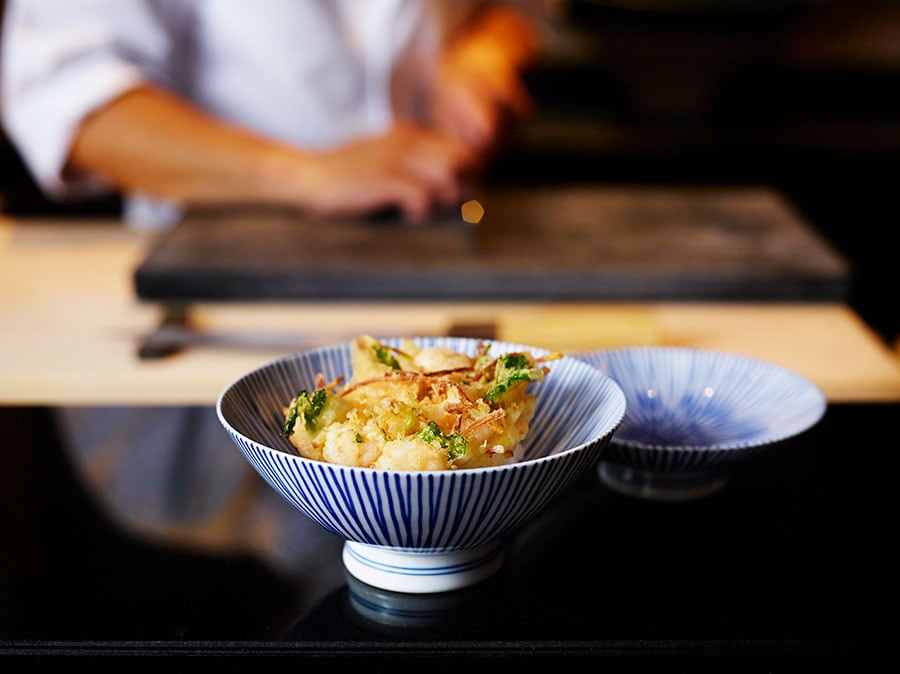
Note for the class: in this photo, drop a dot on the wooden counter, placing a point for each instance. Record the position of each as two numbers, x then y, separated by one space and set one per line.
71 325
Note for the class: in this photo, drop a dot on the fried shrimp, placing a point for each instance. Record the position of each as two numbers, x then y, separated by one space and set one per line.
418 408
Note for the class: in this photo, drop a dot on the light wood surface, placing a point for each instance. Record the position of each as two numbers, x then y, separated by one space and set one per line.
71 325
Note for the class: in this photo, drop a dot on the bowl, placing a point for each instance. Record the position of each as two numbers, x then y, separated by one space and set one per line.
425 531
693 413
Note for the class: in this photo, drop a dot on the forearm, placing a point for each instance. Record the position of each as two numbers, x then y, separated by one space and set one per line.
500 33
480 91
150 141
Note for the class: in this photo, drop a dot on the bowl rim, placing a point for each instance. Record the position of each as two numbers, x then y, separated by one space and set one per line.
817 409
613 388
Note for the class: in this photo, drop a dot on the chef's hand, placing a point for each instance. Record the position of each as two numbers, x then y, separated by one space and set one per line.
410 169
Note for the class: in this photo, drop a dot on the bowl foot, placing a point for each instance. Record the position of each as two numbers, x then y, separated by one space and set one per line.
660 486
402 570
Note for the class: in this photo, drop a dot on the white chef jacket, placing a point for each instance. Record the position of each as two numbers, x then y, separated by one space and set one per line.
309 72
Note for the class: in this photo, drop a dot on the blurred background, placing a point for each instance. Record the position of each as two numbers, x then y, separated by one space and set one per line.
796 94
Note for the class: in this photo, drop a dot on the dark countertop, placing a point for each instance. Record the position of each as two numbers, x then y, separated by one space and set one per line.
792 566
548 242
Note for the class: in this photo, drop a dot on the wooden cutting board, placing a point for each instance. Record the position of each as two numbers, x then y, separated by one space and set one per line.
582 242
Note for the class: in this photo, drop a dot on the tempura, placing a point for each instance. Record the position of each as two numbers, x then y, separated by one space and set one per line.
416 408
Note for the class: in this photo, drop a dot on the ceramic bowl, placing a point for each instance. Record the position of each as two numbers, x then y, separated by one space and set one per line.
692 413
424 531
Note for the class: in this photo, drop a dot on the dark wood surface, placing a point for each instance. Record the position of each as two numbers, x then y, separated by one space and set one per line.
578 242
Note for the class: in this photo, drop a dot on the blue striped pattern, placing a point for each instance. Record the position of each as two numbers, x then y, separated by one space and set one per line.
578 410
696 409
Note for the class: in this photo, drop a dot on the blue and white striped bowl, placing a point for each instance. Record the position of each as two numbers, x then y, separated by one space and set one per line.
693 412
388 512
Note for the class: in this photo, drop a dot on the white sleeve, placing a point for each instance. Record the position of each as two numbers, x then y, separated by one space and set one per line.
60 61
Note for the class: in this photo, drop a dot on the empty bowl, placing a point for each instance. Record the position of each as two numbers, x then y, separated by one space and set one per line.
425 530
693 413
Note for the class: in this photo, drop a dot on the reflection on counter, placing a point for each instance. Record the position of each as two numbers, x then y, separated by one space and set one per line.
373 613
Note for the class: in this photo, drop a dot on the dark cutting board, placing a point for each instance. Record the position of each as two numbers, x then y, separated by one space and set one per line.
533 243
